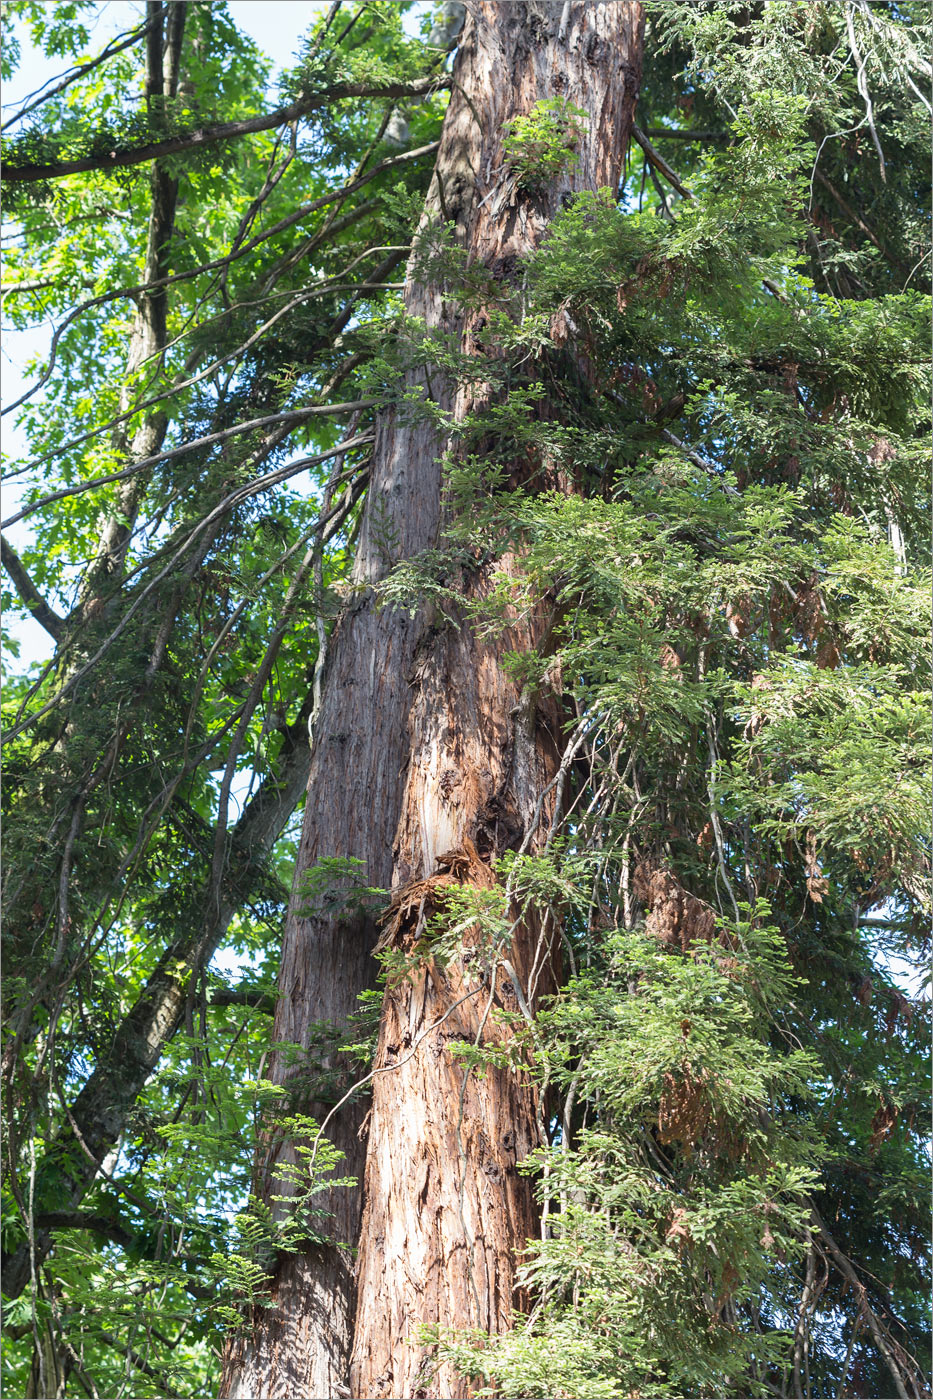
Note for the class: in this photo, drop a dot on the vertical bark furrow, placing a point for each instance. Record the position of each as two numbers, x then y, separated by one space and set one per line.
444 1202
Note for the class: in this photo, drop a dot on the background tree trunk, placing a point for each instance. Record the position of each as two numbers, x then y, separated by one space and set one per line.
149 336
463 724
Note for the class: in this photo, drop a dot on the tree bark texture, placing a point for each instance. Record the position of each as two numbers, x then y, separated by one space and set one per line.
424 748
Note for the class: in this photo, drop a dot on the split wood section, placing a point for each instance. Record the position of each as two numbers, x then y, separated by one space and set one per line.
425 748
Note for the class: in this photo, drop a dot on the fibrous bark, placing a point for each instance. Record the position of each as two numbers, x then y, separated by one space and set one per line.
425 748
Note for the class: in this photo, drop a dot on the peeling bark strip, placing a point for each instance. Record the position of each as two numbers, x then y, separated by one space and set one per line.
401 698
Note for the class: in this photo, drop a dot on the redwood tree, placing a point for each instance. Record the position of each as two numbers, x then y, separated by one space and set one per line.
426 751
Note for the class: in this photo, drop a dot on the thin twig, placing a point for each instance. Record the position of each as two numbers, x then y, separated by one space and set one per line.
340 193
293 415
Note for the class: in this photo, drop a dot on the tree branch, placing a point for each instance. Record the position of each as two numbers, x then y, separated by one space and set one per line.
73 74
882 1337
228 503
340 193
82 1220
373 283
29 593
711 469
250 997
659 162
859 223
221 131
663 133
100 1111
135 1359
296 415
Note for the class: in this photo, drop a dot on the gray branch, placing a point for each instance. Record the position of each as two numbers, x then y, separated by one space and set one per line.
29 593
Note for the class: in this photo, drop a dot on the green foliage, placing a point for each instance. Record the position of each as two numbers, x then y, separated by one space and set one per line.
540 145
183 841
337 883
689 1189
286 1222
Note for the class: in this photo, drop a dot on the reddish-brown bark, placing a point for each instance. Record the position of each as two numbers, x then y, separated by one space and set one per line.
445 1208
424 746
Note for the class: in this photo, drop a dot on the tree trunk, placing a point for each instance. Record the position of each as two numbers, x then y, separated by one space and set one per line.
446 1212
301 1345
98 1115
149 336
401 697
445 1209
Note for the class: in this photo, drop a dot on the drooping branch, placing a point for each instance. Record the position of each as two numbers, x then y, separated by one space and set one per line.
29 593
883 1339
101 1109
859 222
294 416
216 132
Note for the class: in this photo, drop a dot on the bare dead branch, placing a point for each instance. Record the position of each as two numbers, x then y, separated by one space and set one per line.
862 83
659 163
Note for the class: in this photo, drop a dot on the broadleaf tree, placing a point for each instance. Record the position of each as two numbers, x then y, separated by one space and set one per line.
506 443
